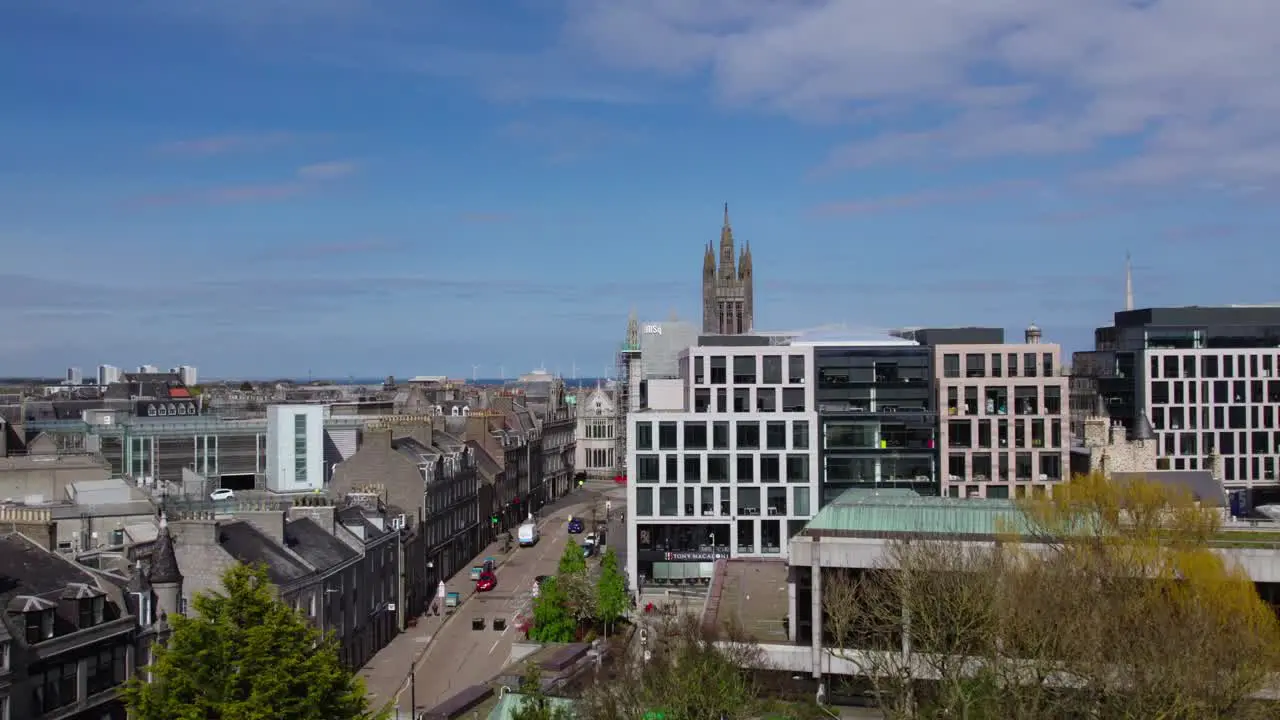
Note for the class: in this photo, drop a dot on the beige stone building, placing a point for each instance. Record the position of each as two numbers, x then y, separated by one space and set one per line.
1003 410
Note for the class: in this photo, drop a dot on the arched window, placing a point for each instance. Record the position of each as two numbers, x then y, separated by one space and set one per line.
466 409
161 409
151 410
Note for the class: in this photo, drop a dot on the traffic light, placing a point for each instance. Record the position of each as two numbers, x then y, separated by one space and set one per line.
493 519
580 482
516 500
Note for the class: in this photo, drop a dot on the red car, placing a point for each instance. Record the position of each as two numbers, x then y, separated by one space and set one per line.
487 582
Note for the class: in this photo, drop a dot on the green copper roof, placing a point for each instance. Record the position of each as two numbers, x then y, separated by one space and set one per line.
871 512
510 703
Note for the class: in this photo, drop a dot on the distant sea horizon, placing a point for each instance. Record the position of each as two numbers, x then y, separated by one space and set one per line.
349 381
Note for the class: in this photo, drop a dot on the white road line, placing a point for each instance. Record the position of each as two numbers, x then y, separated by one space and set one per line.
495 644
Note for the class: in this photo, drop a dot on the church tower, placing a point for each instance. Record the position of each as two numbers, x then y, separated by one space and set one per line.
728 303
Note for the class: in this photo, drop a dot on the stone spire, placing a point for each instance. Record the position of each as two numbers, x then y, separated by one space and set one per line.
727 265
633 330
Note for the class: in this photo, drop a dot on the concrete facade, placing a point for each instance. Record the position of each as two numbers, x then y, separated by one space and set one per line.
1003 418
295 448
724 467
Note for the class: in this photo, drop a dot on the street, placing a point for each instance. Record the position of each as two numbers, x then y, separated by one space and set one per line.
459 656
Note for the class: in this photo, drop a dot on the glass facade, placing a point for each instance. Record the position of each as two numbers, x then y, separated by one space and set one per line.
877 419
299 448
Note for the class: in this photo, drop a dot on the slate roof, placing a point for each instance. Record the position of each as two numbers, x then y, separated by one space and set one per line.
414 450
164 561
354 516
247 545
31 576
316 545
487 464
1200 483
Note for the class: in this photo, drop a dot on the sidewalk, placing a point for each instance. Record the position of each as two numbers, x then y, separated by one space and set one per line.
388 672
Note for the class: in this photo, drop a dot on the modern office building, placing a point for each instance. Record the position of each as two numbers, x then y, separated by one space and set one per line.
721 459
295 448
74 376
1003 429
1205 377
148 369
876 415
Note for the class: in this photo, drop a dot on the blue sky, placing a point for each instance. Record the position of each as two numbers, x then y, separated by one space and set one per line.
267 187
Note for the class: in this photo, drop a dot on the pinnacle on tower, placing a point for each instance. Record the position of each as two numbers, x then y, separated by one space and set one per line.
1128 282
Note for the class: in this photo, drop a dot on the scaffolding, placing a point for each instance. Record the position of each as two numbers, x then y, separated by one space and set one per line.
628 363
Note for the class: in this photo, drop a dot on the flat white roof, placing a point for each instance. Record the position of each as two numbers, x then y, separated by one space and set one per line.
835 338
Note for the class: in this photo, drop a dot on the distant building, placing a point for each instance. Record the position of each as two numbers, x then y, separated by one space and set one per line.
108 374
148 369
728 291
187 373
595 432
74 376
295 448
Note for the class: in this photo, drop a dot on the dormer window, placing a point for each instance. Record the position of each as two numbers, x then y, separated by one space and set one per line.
39 626
92 611
151 410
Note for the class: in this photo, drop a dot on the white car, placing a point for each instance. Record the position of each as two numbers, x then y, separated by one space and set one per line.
222 494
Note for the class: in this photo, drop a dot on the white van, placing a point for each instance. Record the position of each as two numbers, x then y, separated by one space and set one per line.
528 535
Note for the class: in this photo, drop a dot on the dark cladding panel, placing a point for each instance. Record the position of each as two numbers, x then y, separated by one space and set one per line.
959 336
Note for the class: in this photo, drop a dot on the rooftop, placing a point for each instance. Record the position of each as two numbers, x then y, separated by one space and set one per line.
894 513
248 545
897 512
752 597
316 545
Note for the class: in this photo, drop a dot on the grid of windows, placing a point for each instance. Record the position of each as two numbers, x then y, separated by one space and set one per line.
749 383
1223 402
724 469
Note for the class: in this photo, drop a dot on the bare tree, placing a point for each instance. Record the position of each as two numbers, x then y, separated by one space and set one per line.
1109 603
689 675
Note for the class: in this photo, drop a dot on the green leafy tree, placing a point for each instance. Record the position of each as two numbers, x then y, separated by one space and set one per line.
246 386
534 703
572 561
553 619
611 591
244 654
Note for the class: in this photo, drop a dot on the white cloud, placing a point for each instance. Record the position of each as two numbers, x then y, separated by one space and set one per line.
1192 81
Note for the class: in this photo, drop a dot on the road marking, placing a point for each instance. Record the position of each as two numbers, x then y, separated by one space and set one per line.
495 643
